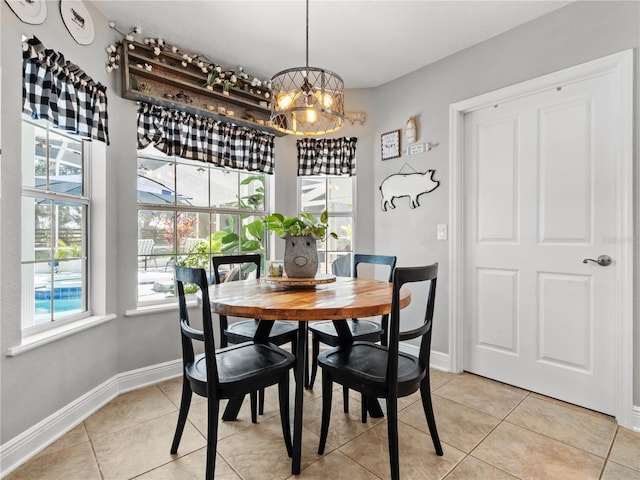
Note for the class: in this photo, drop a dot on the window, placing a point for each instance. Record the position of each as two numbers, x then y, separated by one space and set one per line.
187 212
55 212
335 194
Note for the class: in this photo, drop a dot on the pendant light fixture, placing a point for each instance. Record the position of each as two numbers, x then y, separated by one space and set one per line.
307 100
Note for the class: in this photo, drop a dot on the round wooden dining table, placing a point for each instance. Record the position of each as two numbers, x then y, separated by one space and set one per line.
268 299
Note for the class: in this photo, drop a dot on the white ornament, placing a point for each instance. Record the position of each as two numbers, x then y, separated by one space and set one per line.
410 131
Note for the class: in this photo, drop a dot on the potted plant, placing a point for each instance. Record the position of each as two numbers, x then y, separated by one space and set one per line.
227 84
300 235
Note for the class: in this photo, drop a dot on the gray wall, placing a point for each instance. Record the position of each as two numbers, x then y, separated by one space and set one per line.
574 34
38 383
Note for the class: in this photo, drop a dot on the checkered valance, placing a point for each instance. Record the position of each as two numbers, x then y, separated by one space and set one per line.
57 90
327 156
198 138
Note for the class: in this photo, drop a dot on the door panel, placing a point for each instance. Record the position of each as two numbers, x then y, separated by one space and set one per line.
497 186
565 153
497 309
565 320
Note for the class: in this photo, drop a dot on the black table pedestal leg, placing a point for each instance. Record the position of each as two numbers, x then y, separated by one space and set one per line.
261 336
232 409
297 416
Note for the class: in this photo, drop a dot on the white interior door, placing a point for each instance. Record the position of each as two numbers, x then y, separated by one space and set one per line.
540 198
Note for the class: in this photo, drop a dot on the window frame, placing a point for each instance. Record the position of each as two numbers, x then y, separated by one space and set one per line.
28 327
175 208
323 246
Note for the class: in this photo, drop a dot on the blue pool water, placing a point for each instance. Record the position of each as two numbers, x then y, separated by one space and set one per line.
65 298
59 293
62 305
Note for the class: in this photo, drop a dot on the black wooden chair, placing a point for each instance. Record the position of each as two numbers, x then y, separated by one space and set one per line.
226 373
363 330
379 371
244 330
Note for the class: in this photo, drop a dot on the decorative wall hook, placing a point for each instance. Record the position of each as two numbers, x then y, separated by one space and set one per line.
421 147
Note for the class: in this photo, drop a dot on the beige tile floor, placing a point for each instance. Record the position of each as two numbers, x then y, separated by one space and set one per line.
489 431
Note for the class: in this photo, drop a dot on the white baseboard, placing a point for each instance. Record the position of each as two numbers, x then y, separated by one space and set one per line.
30 442
635 415
438 360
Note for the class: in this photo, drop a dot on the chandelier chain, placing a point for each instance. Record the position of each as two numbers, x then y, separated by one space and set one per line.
307 33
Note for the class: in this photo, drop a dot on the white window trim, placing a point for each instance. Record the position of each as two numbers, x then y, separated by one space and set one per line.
152 308
35 334
56 333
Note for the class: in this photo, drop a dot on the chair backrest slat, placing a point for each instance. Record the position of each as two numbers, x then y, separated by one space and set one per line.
389 260
239 260
403 276
197 276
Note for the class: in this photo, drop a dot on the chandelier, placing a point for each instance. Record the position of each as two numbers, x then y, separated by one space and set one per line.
307 100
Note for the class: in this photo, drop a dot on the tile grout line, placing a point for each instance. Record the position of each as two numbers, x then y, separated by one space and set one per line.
609 450
502 420
605 458
93 450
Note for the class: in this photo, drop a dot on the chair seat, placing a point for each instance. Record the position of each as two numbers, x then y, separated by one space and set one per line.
241 363
243 331
360 330
367 362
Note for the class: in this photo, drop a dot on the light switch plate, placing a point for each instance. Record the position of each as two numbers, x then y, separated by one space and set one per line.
442 231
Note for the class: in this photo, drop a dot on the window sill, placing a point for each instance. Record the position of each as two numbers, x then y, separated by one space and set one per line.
57 333
158 308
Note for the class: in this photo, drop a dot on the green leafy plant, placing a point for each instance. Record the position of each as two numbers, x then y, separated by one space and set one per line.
226 86
305 224
255 200
67 251
250 239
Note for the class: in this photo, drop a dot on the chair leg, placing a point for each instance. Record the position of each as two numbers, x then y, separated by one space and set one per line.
327 391
283 397
261 401
253 396
425 394
315 351
345 399
363 408
185 402
392 432
213 407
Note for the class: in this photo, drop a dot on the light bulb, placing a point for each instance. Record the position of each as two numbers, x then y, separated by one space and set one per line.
311 116
325 100
285 100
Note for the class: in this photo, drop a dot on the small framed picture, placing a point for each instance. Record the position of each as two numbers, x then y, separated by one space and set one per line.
390 145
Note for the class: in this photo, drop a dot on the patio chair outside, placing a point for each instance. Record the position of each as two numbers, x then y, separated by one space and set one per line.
145 249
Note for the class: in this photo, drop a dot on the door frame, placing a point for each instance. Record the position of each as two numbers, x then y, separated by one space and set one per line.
622 245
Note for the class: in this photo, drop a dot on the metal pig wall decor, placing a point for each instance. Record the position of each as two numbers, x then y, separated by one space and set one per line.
410 185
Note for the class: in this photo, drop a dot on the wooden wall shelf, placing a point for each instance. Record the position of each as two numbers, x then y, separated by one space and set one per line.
162 80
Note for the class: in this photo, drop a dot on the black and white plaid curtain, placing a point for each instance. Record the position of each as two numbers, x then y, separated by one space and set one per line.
197 138
327 156
57 90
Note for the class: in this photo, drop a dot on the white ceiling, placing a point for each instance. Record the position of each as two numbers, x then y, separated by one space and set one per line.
367 43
